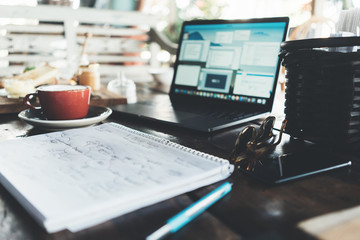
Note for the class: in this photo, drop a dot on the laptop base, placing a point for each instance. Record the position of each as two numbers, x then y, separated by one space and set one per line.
193 117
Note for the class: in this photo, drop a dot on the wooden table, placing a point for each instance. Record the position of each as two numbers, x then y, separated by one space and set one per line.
252 210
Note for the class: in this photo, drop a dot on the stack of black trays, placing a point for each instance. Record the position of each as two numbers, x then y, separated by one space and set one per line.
322 90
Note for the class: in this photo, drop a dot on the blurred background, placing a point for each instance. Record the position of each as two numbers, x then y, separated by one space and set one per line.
173 12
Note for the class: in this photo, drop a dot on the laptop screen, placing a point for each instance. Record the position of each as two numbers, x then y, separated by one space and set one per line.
230 60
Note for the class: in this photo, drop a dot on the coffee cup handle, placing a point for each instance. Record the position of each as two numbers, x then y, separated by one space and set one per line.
28 103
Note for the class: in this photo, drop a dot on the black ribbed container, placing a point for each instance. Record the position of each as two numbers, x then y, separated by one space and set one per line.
322 98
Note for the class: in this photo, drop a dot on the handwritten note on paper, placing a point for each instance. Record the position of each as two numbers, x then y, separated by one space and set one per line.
70 172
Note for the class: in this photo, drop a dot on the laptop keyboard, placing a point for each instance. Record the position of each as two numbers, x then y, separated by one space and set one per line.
213 113
231 115
205 110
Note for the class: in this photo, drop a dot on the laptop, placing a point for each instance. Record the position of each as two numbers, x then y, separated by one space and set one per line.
225 74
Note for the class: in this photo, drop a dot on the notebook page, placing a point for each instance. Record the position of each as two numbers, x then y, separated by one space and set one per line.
66 176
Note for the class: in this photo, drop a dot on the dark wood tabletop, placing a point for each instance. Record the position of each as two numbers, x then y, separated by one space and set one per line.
252 210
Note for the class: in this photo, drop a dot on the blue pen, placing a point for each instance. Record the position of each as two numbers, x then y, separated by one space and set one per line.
182 218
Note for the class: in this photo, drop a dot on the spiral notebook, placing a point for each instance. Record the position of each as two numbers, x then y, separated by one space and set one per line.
78 178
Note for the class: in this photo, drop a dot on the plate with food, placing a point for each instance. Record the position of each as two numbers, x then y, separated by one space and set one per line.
20 85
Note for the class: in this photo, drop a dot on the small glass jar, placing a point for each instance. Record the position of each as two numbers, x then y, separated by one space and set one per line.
123 87
90 76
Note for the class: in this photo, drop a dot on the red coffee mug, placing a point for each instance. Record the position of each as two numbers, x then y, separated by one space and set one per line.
61 102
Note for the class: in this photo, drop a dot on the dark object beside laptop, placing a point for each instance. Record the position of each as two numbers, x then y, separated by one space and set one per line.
291 160
323 90
274 157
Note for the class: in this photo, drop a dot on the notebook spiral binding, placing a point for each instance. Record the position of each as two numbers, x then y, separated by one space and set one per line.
322 96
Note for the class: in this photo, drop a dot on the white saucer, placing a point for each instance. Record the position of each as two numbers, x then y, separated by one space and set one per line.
96 114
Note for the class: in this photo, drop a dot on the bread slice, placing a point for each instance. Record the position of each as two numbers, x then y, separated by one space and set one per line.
40 75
